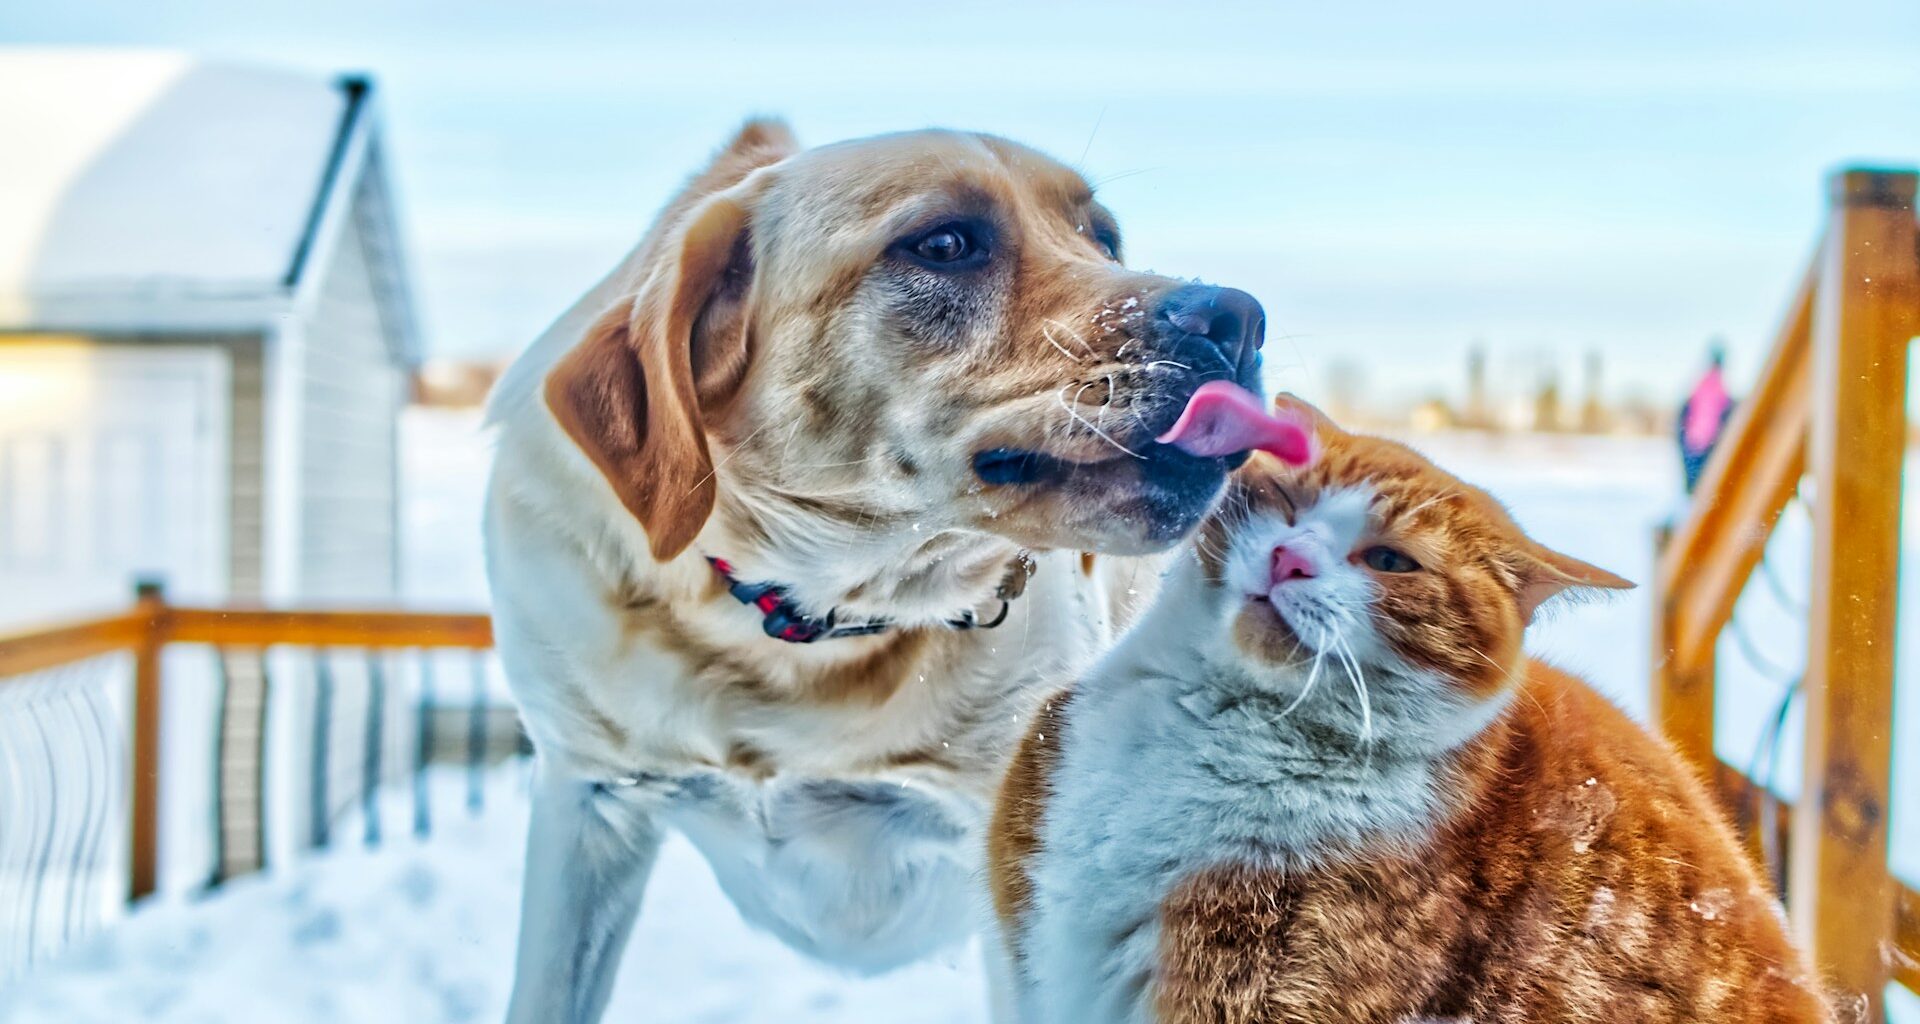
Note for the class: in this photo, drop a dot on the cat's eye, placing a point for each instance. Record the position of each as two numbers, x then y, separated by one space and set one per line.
1381 558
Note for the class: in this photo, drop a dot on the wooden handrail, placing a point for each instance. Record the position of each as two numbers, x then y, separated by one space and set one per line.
24 653
266 627
1746 484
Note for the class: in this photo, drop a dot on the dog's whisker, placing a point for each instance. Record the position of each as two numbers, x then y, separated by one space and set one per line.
1088 148
1046 331
1061 396
1108 403
1123 174
722 460
1076 403
1050 324
1075 335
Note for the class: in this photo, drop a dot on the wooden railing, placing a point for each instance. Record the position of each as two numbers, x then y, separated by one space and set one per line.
1828 411
87 697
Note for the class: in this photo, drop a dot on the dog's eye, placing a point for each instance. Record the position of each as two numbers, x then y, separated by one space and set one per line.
1381 558
945 244
1109 244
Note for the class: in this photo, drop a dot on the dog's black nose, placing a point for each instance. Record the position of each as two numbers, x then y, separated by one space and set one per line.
1229 318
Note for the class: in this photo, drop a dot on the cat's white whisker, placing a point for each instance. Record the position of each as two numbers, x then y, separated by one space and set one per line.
1313 674
1345 654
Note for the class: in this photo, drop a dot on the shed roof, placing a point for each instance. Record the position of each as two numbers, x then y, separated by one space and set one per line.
151 191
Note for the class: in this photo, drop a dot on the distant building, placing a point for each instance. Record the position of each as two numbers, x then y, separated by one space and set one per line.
1431 416
1479 410
1546 404
1593 408
205 333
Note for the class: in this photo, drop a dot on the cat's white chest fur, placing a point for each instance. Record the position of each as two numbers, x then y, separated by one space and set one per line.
1174 762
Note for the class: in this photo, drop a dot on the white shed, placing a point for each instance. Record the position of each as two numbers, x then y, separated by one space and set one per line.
205 333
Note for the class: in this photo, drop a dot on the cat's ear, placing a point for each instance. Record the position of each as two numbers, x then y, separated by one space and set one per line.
1288 404
1546 574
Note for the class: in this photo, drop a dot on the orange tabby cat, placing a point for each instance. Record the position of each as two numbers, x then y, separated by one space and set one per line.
1320 782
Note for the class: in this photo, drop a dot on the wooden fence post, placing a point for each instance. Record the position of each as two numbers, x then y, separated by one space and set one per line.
144 792
1839 885
1682 696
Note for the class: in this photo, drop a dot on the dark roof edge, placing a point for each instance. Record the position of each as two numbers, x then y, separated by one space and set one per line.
357 88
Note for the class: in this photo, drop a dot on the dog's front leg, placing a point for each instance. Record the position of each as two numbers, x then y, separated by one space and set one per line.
589 851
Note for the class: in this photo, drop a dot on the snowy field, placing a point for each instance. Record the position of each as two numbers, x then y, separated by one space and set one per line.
422 933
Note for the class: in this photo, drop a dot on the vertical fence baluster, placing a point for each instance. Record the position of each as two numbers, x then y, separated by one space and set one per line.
109 770
373 736
423 745
477 735
76 778
90 801
13 787
222 689
15 867
45 842
260 758
319 826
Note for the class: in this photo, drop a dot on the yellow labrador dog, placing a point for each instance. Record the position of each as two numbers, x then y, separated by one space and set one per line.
793 520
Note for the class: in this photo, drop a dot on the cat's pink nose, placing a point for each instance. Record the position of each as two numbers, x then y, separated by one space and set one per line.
1291 564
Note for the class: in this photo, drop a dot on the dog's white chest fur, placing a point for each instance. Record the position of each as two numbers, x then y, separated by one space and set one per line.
866 873
1171 766
828 838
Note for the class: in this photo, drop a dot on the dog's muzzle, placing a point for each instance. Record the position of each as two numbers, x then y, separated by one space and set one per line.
1197 333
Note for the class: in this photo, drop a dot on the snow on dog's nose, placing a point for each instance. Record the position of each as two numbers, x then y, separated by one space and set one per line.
1223 418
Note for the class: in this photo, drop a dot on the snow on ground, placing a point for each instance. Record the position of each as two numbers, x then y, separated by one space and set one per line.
422 933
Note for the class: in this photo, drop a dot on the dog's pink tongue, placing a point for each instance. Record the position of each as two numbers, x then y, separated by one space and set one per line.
1223 418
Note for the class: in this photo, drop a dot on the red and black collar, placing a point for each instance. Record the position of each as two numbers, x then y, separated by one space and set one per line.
783 620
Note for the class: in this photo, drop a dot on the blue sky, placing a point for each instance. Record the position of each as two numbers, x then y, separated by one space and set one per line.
1393 181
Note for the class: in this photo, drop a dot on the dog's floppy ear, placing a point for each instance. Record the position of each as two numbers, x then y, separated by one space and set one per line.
634 393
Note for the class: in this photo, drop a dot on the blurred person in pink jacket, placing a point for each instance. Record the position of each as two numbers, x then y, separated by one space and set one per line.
1704 415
